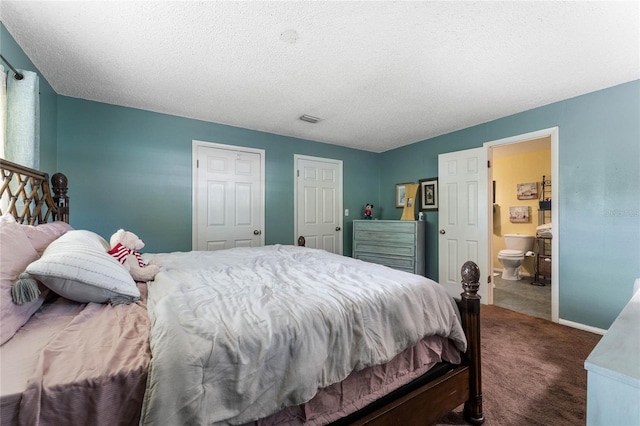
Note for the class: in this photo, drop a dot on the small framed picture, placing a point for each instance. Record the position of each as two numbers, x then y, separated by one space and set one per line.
528 191
429 194
519 214
401 193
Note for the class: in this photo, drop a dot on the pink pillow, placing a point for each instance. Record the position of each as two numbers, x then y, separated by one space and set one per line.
42 235
16 253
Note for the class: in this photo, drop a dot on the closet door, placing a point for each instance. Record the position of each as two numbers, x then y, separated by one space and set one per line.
228 197
318 202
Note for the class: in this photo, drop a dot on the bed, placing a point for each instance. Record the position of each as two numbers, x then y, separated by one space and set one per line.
204 344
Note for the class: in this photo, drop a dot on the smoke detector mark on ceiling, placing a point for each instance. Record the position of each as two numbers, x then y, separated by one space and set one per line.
289 36
309 118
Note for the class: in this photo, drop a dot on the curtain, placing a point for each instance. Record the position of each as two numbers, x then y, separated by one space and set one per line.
4 201
22 138
3 109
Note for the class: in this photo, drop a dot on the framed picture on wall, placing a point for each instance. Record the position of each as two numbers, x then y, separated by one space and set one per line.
528 191
401 193
519 214
429 194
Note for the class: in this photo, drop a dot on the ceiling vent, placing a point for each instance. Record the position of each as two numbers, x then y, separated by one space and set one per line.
309 118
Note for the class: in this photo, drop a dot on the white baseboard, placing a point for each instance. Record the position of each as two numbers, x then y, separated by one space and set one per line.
580 326
572 324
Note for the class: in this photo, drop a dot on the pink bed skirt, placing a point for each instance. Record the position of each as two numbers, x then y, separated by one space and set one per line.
367 385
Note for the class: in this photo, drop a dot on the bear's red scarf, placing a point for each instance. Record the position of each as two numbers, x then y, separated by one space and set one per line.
120 253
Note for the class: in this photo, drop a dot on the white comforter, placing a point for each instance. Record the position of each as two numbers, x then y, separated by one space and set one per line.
238 334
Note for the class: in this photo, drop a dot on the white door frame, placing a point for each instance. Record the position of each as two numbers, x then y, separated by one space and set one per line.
297 157
194 183
554 134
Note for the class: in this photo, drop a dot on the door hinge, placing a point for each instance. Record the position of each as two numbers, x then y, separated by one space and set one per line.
488 164
197 164
298 173
489 279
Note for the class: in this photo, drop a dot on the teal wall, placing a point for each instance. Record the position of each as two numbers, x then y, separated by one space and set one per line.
48 101
410 164
131 169
599 195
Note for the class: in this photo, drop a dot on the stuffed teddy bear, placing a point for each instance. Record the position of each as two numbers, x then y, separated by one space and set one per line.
124 248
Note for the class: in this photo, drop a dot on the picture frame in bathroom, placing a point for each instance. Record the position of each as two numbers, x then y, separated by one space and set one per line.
528 191
519 214
429 194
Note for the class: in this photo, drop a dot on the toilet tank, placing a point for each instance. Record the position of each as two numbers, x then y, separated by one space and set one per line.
520 242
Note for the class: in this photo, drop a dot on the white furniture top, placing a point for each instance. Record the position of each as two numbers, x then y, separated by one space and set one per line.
617 355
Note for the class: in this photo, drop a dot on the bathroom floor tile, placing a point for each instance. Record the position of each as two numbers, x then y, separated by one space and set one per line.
521 296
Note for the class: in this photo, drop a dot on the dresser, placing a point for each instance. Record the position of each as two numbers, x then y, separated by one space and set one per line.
613 371
399 244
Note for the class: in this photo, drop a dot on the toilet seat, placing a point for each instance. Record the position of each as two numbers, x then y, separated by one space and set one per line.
510 253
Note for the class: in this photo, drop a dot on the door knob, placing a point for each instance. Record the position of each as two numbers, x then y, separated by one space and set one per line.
337 228
442 231
257 232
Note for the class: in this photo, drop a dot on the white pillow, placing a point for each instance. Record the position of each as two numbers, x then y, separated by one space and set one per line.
87 237
77 266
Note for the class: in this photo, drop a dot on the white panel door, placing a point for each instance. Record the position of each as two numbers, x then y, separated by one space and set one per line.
319 202
463 218
228 197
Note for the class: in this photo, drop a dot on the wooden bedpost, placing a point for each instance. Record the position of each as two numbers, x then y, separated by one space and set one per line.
471 323
59 184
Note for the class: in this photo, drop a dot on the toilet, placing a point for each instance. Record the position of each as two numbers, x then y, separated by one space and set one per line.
518 246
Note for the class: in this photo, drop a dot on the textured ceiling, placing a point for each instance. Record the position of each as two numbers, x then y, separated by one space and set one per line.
379 74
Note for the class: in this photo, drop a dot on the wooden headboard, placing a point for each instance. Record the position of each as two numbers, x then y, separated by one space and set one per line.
26 194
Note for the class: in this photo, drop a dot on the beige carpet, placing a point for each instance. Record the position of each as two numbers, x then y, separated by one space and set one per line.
532 371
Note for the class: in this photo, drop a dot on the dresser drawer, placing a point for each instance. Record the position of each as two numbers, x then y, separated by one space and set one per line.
401 263
385 237
391 227
374 247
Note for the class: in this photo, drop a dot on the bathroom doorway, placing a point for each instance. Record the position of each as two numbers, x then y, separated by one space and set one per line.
519 163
